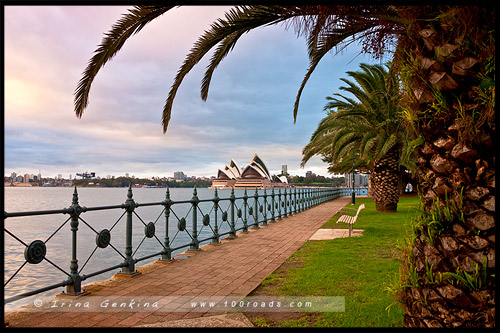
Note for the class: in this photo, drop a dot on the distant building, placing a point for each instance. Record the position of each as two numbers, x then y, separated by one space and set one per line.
310 174
284 170
359 180
254 175
179 176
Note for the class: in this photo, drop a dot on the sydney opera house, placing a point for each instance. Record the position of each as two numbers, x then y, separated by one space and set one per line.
254 175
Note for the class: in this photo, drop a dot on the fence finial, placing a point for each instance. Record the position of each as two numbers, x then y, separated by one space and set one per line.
75 197
129 192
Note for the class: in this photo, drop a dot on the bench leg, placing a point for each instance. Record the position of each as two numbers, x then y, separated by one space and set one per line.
350 229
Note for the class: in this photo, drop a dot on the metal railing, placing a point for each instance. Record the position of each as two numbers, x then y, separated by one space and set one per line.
237 214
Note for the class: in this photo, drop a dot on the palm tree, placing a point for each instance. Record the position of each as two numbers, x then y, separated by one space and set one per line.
446 62
445 58
370 127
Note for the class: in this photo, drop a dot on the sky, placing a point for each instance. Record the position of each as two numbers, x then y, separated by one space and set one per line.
249 109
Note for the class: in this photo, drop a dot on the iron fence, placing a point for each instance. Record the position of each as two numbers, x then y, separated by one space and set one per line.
206 221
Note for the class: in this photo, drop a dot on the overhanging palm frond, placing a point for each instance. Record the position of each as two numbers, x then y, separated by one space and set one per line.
221 52
325 27
317 52
128 25
226 31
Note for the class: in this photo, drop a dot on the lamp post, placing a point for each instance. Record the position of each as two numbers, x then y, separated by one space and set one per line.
353 194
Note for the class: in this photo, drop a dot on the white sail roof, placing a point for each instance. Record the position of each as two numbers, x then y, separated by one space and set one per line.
235 168
223 174
283 179
229 172
256 168
257 162
251 169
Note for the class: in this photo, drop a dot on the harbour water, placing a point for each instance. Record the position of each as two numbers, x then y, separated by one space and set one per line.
55 231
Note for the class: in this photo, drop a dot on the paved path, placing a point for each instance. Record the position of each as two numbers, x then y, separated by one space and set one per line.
234 268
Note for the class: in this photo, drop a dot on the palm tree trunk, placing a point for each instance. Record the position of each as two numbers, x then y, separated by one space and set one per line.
385 182
452 256
370 186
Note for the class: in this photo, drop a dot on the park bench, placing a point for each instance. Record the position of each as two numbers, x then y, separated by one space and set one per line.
349 219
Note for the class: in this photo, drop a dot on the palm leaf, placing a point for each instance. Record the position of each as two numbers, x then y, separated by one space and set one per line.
127 26
237 21
386 144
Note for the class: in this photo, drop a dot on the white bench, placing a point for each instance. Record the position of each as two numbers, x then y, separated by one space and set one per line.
350 219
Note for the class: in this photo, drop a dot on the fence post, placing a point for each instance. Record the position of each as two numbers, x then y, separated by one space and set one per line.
295 201
215 238
232 198
309 198
129 268
76 287
279 204
300 199
167 255
245 204
256 209
284 204
194 202
272 206
264 208
306 198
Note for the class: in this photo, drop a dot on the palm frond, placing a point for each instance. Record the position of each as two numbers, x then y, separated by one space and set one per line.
237 21
222 51
368 124
325 27
128 25
387 143
325 43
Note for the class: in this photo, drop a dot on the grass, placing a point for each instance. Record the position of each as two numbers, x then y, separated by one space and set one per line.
358 268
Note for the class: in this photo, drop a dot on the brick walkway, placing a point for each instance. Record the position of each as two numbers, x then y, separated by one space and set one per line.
234 268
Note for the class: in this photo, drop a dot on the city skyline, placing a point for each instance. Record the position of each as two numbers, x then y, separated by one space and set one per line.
248 111
129 175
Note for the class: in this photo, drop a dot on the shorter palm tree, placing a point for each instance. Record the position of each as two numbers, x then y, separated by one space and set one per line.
368 128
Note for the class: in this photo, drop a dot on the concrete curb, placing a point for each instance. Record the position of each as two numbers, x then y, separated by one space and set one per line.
326 234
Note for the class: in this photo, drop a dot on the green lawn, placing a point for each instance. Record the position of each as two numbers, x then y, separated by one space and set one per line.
358 268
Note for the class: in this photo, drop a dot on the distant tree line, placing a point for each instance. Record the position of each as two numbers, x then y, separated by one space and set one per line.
317 180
